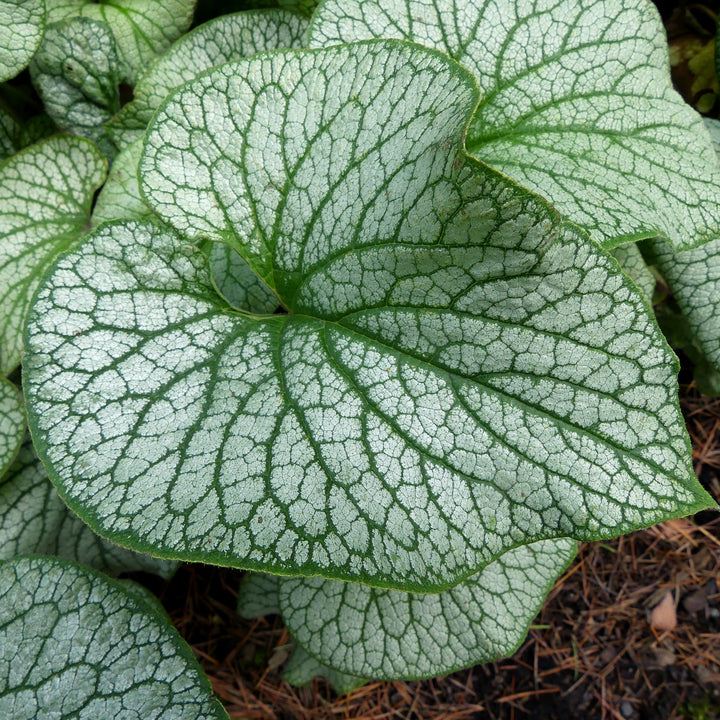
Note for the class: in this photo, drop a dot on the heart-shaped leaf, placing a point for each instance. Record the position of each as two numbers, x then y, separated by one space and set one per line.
45 193
75 645
459 373
77 73
142 29
12 424
387 634
226 38
22 23
33 519
577 104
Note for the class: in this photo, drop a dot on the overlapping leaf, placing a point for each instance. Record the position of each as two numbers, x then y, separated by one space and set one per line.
459 373
576 104
12 424
141 30
694 277
120 195
634 265
22 23
77 73
120 198
75 645
387 634
227 38
301 669
33 519
45 194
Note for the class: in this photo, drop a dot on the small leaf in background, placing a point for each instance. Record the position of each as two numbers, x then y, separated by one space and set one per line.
227 38
12 424
258 595
141 30
22 23
301 669
76 645
386 634
632 263
576 104
34 520
45 193
694 279
120 195
76 72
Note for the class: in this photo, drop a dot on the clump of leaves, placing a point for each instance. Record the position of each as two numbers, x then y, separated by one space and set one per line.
346 316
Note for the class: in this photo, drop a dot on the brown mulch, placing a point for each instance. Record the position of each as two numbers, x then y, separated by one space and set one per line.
592 652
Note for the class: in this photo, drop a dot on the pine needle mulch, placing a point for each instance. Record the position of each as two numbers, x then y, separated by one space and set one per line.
592 652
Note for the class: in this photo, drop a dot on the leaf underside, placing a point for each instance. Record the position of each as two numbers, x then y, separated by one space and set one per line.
75 645
577 104
459 373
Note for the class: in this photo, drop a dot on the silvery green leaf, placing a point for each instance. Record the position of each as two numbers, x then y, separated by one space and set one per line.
33 519
142 29
258 595
634 265
120 195
45 193
22 23
387 634
302 668
76 71
12 424
576 104
76 645
226 38
694 278
458 372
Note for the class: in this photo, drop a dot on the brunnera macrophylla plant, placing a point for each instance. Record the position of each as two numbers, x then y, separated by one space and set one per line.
346 316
